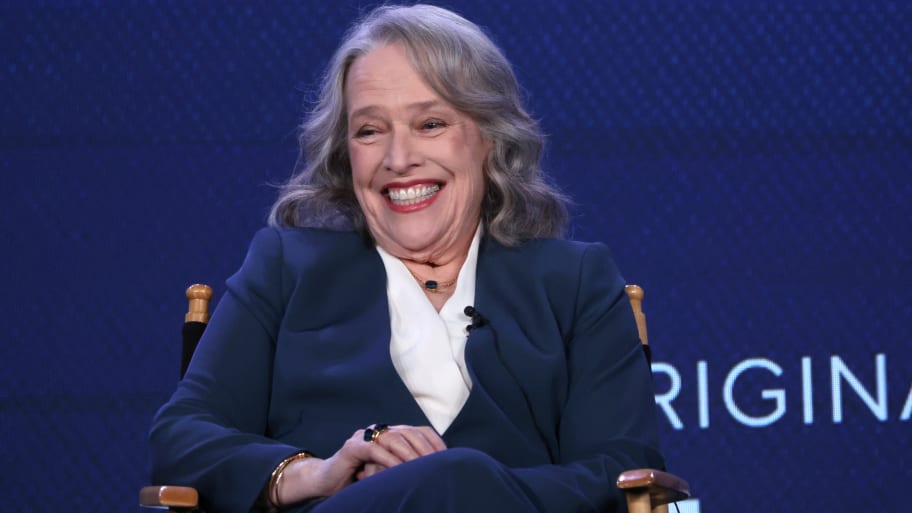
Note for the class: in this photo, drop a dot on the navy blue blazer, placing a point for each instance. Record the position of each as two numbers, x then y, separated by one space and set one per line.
296 356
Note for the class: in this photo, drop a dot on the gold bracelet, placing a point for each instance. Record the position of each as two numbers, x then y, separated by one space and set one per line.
275 479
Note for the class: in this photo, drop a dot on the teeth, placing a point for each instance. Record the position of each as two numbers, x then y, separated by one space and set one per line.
412 195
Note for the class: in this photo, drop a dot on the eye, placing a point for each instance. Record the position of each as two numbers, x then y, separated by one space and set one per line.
366 132
433 124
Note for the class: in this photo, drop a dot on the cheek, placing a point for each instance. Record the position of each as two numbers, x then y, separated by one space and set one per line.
360 170
480 162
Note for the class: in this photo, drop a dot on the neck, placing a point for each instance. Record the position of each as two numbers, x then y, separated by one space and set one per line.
436 277
437 282
438 266
450 250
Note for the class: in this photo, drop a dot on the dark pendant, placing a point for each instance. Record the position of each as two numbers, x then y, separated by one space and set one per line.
430 285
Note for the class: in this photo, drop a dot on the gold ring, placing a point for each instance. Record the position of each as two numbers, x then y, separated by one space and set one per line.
373 434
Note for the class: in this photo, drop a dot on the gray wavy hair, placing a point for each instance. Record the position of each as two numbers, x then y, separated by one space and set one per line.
462 65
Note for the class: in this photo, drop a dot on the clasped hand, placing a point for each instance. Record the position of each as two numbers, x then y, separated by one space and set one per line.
358 459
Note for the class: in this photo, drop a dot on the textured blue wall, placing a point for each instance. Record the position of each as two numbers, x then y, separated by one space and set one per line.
749 162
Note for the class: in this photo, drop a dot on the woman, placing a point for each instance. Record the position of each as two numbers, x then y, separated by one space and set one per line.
413 276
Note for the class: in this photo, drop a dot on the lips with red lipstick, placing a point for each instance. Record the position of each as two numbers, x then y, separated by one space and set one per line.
411 196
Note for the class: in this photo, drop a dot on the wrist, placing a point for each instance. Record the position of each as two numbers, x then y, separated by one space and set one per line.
285 472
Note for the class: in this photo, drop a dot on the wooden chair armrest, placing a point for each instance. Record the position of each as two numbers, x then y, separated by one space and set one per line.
662 487
173 497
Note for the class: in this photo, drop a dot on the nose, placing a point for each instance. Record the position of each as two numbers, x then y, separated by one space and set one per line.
401 152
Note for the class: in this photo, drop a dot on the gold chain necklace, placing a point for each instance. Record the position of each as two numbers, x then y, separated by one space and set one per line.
431 285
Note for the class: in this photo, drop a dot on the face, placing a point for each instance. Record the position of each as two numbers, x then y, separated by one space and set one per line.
416 161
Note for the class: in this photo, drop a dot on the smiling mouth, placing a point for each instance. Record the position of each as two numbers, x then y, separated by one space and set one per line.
405 196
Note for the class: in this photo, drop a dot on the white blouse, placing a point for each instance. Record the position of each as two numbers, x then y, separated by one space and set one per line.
427 347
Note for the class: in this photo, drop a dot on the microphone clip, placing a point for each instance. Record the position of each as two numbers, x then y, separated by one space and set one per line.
477 319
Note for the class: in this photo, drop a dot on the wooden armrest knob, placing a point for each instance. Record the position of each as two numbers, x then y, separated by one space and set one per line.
198 297
168 496
663 487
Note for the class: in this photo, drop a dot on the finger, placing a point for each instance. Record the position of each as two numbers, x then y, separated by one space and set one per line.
373 468
424 439
434 439
361 452
399 442
369 470
419 439
410 442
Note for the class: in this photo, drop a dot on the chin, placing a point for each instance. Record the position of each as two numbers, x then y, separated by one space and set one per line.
415 244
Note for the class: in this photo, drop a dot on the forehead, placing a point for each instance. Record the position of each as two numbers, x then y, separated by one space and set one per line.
385 77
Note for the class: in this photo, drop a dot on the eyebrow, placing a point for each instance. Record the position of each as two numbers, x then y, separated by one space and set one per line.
417 107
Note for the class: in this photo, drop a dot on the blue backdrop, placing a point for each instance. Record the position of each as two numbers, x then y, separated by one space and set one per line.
748 162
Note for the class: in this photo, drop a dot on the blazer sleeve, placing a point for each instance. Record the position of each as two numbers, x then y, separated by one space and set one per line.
608 424
211 434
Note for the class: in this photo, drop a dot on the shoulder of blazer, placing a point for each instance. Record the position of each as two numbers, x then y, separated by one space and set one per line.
556 254
304 249
318 238
281 261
